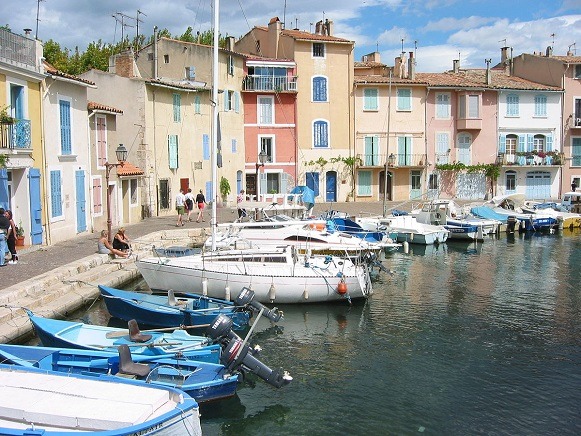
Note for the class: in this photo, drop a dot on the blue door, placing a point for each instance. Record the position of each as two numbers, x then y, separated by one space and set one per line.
312 180
538 185
4 200
81 214
331 186
35 209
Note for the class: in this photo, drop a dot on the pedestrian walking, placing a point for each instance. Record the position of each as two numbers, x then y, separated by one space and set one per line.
5 231
11 240
180 207
189 203
201 202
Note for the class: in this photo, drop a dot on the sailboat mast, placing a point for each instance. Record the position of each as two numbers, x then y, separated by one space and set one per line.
214 221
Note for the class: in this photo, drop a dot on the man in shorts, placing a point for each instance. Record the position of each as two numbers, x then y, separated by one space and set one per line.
180 207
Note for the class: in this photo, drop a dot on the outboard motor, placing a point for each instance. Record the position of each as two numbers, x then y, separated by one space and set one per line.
246 298
236 353
511 224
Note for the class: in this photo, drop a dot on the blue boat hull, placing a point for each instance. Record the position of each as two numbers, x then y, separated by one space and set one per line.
127 305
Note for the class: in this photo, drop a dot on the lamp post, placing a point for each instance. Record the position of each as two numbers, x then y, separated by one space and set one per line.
261 159
121 153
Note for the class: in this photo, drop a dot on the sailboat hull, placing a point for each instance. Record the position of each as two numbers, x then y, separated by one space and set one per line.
275 276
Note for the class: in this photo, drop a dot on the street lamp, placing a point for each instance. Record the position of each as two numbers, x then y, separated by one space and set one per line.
391 160
262 156
121 153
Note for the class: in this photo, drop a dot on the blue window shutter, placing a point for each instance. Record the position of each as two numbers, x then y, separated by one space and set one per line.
404 99
197 104
234 146
209 194
55 194
549 144
370 99
206 146
521 143
530 142
4 200
502 146
226 106
237 101
320 134
65 119
177 101
364 182
172 143
576 152
319 89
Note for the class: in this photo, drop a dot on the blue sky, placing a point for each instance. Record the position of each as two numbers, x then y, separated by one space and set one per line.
437 30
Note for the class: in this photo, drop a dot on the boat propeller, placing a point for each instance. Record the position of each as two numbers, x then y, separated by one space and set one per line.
237 353
246 298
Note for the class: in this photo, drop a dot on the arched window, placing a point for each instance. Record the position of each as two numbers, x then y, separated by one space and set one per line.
320 134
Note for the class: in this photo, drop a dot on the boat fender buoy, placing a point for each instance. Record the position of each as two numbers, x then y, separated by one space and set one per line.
204 287
272 293
227 293
306 294
342 288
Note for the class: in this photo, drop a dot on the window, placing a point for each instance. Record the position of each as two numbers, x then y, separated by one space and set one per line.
101 133
464 153
512 105
172 145
206 146
197 104
234 146
265 110
321 134
230 65
56 201
65 121
228 100
510 181
404 99
166 59
97 196
133 191
364 183
177 108
578 71
370 99
577 113
443 105
164 200
539 143
318 50
404 150
190 73
371 151
576 152
416 180
540 106
267 145
511 141
473 106
273 182
433 182
319 88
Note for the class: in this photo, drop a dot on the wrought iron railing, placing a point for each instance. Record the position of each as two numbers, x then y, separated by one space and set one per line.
16 49
15 135
391 160
529 159
270 83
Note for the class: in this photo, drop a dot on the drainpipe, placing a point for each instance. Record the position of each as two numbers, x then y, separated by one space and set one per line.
155 52
44 165
90 165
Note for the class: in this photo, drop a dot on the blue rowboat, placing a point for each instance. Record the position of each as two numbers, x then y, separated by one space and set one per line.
71 334
159 311
202 380
35 402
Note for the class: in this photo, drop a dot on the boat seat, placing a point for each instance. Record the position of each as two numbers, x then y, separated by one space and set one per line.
128 366
171 299
134 334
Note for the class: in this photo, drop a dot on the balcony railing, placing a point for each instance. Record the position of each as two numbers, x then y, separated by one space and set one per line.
16 49
530 159
16 135
270 83
392 160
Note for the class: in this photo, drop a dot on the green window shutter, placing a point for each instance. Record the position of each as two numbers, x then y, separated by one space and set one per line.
177 112
197 108
404 99
549 144
173 151
370 99
502 145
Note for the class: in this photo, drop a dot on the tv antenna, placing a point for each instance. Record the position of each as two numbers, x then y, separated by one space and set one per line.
120 18
553 36
574 50
503 41
37 14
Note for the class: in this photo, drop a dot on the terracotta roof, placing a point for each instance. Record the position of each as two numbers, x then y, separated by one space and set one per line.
477 79
177 84
368 64
374 78
128 169
94 106
251 57
308 36
569 59
54 72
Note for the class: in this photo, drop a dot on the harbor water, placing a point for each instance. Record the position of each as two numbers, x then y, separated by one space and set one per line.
462 339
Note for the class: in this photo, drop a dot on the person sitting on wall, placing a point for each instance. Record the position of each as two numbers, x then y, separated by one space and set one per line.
121 241
105 247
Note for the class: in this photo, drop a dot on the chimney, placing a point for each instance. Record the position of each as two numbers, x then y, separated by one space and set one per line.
456 65
124 64
411 66
549 51
27 32
230 41
318 27
329 26
274 30
488 72
503 54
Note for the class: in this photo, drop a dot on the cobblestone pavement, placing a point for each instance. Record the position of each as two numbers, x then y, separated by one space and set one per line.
36 260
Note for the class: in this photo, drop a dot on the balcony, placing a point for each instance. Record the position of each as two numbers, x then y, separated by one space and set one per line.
270 83
393 160
15 135
18 50
469 124
576 122
530 159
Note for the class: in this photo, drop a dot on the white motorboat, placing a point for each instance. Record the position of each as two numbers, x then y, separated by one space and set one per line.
312 236
405 228
459 222
275 274
566 218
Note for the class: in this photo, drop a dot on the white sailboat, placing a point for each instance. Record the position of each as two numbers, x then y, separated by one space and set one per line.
275 274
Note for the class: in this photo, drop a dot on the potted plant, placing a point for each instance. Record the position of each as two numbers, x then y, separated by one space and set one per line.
4 117
19 234
224 189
